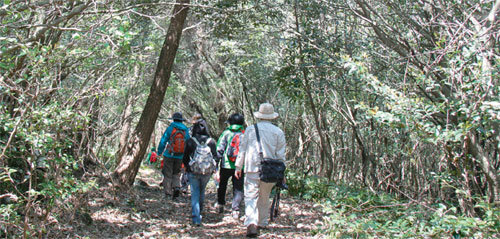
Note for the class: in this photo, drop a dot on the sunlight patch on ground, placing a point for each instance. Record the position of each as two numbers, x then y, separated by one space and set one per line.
113 216
143 211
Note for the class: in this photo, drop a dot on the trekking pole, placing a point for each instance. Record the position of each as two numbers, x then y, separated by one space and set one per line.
276 200
275 205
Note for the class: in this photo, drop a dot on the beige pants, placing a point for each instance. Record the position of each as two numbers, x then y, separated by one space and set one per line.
257 200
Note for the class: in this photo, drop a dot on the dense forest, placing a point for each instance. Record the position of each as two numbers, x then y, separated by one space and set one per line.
390 108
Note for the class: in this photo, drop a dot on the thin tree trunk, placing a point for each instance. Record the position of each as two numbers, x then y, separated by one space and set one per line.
247 102
490 172
138 141
126 125
484 160
307 85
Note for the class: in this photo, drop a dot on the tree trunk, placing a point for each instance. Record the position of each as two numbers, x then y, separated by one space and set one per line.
126 124
138 141
323 151
486 165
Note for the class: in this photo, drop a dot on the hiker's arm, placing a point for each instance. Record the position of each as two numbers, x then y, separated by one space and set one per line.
187 136
237 174
213 147
164 140
213 150
221 147
240 159
188 150
281 148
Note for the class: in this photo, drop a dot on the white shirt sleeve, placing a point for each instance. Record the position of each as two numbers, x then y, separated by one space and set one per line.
281 147
240 160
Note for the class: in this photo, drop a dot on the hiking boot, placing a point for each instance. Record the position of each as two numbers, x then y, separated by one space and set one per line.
235 215
196 224
176 194
252 230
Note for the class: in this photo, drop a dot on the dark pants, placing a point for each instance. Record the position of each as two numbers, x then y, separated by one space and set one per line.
225 174
171 175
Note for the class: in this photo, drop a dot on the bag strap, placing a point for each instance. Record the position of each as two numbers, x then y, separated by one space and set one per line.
196 141
258 141
204 142
229 140
207 141
174 130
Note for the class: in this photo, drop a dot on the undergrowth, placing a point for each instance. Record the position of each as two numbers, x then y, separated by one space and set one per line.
356 212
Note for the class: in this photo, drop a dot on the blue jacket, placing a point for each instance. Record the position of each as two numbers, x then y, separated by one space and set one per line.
165 139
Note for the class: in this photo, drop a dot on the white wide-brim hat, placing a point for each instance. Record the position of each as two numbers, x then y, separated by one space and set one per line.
266 111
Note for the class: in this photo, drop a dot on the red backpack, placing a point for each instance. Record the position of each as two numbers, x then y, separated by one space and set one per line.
234 147
153 157
177 142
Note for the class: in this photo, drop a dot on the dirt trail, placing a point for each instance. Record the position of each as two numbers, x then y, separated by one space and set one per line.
144 212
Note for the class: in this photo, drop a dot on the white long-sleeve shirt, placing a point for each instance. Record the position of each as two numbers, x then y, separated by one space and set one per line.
273 144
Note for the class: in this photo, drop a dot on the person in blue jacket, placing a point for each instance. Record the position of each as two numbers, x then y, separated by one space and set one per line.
172 146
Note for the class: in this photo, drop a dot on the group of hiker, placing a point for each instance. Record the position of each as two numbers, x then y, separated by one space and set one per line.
238 154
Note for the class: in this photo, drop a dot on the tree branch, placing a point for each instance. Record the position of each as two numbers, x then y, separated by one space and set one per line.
77 10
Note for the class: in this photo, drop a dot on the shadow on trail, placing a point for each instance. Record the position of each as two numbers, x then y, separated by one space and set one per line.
144 212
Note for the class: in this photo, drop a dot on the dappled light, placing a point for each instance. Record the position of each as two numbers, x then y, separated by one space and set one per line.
144 212
383 115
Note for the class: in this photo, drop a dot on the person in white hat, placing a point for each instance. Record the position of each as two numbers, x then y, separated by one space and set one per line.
257 192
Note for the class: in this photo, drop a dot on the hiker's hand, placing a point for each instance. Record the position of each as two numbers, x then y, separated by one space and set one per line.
237 174
217 176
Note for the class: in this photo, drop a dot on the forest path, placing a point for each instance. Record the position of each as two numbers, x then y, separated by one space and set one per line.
144 212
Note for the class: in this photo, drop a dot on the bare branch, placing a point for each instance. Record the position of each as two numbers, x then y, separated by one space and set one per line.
77 10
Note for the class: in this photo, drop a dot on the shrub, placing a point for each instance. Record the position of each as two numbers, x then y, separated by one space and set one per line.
40 166
310 188
357 212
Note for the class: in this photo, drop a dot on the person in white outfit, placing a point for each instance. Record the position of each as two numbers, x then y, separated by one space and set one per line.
273 146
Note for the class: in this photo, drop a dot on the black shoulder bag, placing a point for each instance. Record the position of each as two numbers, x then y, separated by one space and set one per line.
271 170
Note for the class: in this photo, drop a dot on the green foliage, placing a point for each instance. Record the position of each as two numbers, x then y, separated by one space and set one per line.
309 188
10 220
357 212
416 87
288 80
63 92
230 18
39 160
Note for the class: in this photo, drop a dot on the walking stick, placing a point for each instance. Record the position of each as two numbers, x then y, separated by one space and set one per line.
276 200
